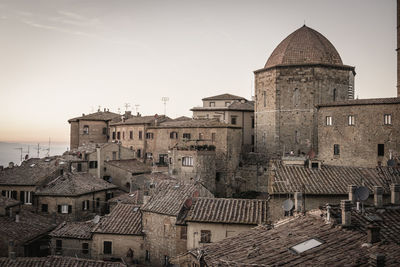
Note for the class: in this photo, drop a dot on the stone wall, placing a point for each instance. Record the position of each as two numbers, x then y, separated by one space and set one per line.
137 144
71 247
288 120
358 143
74 135
96 134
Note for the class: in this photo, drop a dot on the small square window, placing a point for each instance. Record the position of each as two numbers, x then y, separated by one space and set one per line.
107 247
58 246
381 150
351 120
45 208
130 134
336 149
328 120
387 119
186 136
85 248
86 129
187 161
205 236
233 120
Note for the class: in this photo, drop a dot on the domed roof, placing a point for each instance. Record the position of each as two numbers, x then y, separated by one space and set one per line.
304 46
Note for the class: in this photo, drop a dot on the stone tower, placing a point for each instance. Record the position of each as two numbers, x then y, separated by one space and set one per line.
304 70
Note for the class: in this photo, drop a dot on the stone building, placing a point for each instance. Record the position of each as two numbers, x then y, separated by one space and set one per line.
362 132
304 70
194 164
119 235
57 261
132 132
74 196
210 220
233 110
91 128
73 239
163 237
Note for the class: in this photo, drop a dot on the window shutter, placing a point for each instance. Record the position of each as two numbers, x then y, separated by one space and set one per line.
69 209
14 195
22 196
83 205
59 208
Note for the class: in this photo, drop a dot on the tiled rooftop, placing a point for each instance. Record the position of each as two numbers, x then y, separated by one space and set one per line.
78 230
224 97
127 198
130 165
329 179
197 123
97 116
74 184
124 219
237 105
142 120
228 210
31 172
367 101
262 246
6 202
30 226
56 261
169 197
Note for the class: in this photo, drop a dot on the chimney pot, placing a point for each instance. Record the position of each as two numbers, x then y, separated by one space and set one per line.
395 194
373 235
298 201
346 212
378 196
352 195
11 165
377 260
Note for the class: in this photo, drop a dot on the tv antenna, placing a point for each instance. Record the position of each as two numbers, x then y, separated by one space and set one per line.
38 148
137 108
127 106
20 149
46 149
165 100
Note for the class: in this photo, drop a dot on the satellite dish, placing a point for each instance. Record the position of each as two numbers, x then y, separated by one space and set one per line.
391 163
287 205
362 193
96 219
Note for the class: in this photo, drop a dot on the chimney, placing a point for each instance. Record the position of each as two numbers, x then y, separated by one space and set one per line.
11 253
17 218
346 212
1 167
11 165
378 196
128 114
373 234
395 194
298 201
352 195
377 260
105 109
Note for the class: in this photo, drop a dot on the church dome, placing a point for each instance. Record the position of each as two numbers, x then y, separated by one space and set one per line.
304 46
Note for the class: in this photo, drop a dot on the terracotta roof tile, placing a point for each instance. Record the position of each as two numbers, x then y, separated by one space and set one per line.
197 123
143 120
235 106
329 179
97 116
78 230
124 219
367 101
224 97
130 165
6 202
56 261
228 210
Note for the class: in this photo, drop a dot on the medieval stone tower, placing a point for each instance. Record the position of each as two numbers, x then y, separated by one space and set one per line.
303 71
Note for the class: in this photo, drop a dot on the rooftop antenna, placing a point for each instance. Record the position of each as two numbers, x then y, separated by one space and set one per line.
165 100
99 108
137 108
119 111
20 149
38 150
127 106
46 149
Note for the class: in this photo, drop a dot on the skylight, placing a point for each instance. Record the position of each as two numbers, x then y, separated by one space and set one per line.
306 245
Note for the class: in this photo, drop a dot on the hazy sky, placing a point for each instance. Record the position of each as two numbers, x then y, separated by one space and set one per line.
59 59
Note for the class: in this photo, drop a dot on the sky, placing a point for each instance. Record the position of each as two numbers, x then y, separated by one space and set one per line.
62 58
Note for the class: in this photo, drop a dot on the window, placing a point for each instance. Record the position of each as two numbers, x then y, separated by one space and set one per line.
149 135
186 136
201 136
109 195
252 122
45 208
85 205
139 153
123 135
233 120
351 119
131 135
265 98
213 137
93 164
387 119
79 167
173 135
107 247
58 246
64 209
328 120
86 129
306 245
14 195
114 155
27 197
205 236
140 135
105 131
149 155
336 150
334 94
97 202
212 104
147 258
184 232
252 139
166 260
227 103
113 135
187 161
119 135
381 150
85 248
296 137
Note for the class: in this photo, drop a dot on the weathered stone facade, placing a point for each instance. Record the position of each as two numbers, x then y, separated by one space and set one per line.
371 139
71 247
288 88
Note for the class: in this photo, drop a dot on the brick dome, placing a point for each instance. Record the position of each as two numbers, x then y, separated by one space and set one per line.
304 46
